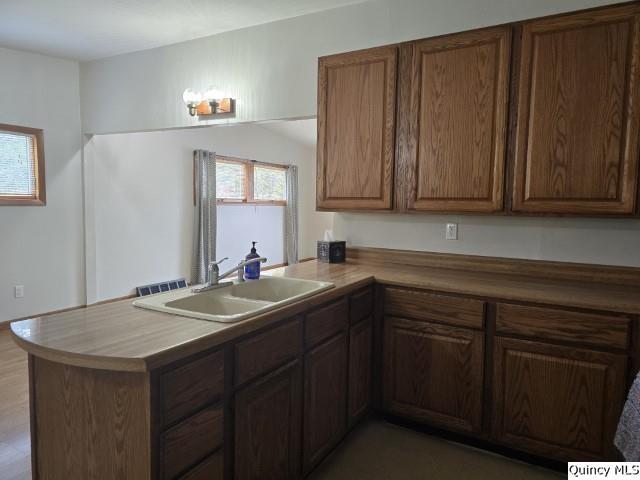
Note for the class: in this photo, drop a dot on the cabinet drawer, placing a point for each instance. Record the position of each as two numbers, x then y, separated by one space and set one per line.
325 322
210 469
360 305
265 351
419 305
190 387
191 441
573 327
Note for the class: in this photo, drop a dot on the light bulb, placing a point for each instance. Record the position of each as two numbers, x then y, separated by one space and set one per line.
212 93
190 97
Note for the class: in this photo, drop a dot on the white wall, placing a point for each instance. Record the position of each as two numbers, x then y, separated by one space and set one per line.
271 68
602 241
143 208
42 247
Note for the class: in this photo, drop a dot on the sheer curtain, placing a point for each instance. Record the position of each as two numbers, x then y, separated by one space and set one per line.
291 217
204 218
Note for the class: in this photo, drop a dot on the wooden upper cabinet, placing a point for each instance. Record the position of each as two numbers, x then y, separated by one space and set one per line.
356 130
453 120
578 115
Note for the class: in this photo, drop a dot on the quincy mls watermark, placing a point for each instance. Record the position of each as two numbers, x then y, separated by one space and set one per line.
602 470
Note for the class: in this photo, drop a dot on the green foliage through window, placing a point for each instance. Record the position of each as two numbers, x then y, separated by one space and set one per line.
230 180
244 181
269 184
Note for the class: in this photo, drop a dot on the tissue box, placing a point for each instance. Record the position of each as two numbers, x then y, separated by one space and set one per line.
332 252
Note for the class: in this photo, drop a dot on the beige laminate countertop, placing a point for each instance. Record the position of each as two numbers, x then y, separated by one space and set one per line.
119 336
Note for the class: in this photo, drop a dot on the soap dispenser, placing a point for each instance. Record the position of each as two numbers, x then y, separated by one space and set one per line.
252 271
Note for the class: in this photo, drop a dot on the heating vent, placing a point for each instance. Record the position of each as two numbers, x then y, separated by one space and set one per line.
161 287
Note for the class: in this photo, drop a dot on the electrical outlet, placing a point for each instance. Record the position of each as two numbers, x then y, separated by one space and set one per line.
451 232
19 291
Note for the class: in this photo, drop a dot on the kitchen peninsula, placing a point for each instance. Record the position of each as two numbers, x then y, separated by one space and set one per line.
534 356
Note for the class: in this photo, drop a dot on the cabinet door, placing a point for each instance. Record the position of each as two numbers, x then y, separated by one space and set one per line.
325 399
434 373
555 401
267 426
453 121
356 130
360 358
578 116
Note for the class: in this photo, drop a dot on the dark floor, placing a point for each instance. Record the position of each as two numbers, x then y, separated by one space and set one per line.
381 451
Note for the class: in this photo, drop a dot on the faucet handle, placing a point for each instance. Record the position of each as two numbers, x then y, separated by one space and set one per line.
218 262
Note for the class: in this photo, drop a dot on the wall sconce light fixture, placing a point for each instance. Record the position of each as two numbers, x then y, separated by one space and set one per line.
211 102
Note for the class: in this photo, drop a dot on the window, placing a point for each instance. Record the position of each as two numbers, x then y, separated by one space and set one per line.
248 181
21 166
230 180
269 183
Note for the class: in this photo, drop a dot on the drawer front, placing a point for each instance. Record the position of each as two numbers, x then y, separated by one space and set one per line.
561 325
326 322
210 469
360 305
419 305
268 350
188 388
191 441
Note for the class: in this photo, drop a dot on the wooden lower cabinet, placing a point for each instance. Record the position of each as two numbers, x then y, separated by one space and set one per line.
325 399
433 373
360 362
267 426
299 386
210 469
272 405
191 441
556 401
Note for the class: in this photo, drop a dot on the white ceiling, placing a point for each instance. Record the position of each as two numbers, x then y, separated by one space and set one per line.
300 131
90 29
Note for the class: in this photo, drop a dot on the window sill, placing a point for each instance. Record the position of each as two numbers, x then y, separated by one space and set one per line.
280 203
22 202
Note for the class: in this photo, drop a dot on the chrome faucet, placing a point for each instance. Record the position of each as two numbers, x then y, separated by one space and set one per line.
214 276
